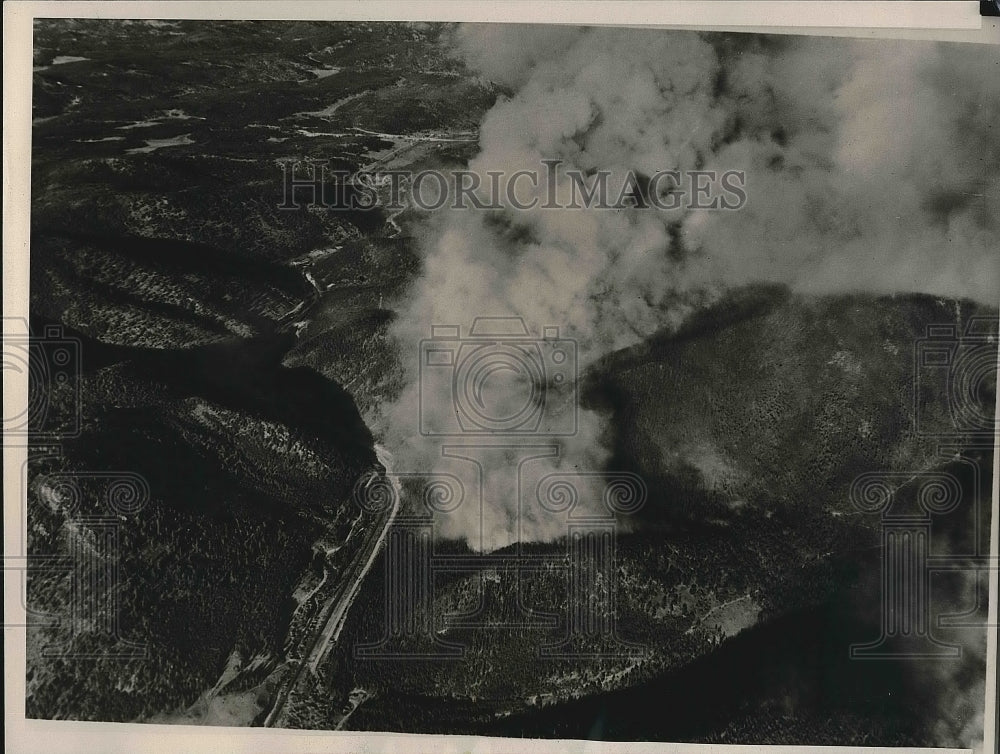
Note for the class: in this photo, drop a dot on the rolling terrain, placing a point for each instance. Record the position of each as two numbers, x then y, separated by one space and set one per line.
233 356
749 424
203 315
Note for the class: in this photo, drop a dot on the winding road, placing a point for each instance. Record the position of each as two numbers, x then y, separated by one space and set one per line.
332 616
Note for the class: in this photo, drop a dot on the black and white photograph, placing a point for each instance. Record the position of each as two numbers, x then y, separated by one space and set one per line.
531 381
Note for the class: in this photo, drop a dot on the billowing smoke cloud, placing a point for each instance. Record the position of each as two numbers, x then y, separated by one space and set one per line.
870 166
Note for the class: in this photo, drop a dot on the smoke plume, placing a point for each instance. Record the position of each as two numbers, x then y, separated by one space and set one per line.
869 166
